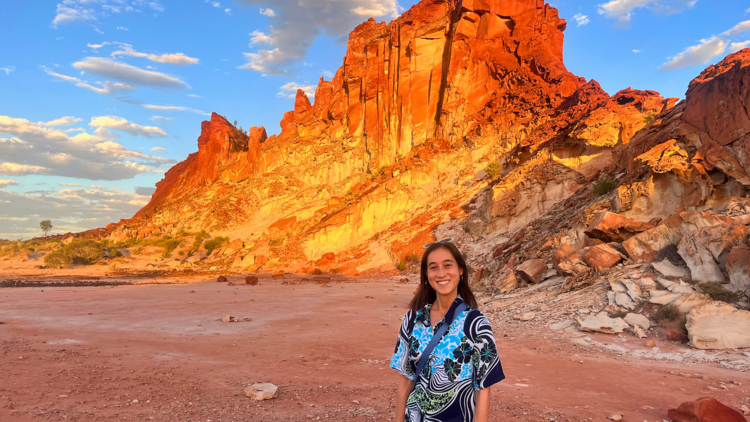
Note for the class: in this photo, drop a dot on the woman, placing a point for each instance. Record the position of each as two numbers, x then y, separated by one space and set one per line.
454 385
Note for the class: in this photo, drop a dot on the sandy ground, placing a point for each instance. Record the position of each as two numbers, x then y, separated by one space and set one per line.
157 352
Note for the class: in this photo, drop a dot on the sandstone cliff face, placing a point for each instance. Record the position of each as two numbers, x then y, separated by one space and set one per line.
395 145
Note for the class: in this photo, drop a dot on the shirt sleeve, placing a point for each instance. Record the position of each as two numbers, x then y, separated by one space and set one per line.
486 362
400 360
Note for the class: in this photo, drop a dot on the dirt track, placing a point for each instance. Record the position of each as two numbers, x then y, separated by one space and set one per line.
88 353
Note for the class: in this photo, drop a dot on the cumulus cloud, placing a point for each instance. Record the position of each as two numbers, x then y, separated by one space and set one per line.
161 119
103 123
45 149
267 12
158 149
8 69
107 68
228 11
97 46
122 28
581 19
178 59
289 90
107 88
297 24
156 6
622 10
636 51
144 191
63 121
5 183
709 48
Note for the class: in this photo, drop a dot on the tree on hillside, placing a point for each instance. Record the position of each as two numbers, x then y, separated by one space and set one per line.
46 226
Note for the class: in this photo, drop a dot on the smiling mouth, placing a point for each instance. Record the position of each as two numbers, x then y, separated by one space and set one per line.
443 283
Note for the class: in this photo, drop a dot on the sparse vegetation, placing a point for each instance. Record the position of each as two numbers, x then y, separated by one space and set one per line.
46 226
717 291
667 313
79 252
401 266
214 243
198 241
493 169
605 185
168 246
648 119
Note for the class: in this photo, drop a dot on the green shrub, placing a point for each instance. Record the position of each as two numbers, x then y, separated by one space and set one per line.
214 243
84 251
168 246
648 119
401 266
667 313
57 259
493 169
605 185
717 291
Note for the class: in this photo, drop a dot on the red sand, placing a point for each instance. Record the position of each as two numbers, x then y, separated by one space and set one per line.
87 353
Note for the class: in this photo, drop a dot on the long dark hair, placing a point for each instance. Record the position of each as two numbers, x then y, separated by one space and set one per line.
426 294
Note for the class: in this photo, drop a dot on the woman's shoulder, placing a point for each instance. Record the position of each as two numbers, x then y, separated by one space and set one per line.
475 316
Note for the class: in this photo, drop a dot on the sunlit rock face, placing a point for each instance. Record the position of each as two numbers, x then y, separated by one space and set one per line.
395 145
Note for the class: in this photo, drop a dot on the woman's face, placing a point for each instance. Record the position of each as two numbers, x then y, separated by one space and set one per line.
443 272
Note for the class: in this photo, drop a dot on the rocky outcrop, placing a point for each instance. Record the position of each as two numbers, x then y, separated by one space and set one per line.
362 170
705 409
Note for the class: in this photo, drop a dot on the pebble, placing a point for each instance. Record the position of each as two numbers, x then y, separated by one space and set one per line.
615 417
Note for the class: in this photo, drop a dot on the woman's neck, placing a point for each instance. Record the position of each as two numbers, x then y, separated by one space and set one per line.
444 302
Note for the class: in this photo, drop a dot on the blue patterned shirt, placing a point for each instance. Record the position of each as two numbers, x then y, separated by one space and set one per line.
464 361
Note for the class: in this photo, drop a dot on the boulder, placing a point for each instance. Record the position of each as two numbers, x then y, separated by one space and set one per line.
507 283
567 261
251 280
277 274
603 324
685 303
221 279
560 255
677 335
706 248
738 268
637 320
653 244
668 269
705 409
718 325
261 391
601 257
611 227
531 271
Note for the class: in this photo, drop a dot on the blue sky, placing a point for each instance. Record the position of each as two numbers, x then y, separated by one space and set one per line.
100 97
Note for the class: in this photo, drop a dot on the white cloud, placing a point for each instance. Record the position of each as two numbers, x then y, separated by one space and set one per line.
8 69
698 54
5 183
328 74
118 123
194 96
69 11
267 12
737 46
124 72
70 184
122 28
156 6
112 9
228 11
289 90
97 46
709 48
581 19
299 23
636 51
216 4
14 169
158 149
63 121
622 10
47 150
178 59
107 88
258 37
97 30
737 29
